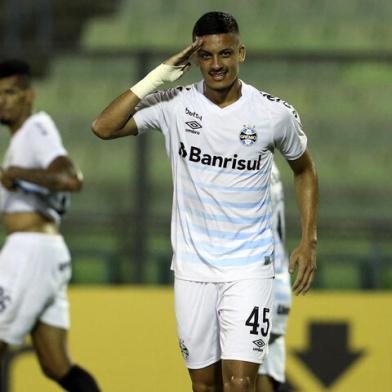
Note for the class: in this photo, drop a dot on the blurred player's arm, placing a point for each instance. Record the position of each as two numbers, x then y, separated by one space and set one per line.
116 120
304 256
62 175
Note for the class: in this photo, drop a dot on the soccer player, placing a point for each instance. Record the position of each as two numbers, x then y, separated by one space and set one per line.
35 264
220 136
272 371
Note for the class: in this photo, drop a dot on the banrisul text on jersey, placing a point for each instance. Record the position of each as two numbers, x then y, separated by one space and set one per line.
195 154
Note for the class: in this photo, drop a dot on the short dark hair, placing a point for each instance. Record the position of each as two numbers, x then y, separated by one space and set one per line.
16 67
215 23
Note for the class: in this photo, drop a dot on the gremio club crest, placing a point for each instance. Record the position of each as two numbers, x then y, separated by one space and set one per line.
248 135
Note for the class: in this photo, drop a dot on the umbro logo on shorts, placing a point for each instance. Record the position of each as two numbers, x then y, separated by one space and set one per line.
259 343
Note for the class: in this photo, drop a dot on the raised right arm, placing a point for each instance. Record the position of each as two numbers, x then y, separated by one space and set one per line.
117 119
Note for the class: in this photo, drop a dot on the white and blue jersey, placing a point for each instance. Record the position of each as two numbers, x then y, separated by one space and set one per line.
221 160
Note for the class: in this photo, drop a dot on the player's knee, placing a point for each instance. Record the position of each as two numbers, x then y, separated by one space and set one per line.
239 384
51 368
51 371
205 387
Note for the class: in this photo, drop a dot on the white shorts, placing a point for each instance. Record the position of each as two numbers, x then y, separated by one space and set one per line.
274 363
34 272
230 320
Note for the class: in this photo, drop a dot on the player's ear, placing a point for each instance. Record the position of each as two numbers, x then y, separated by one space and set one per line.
242 53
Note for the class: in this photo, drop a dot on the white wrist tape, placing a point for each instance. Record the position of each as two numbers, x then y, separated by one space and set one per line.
161 74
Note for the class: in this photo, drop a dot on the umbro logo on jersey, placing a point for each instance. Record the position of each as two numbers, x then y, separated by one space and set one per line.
194 125
259 343
195 155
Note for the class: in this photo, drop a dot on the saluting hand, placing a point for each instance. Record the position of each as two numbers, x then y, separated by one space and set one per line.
182 58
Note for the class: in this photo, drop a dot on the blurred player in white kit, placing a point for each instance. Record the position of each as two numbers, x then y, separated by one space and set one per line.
35 264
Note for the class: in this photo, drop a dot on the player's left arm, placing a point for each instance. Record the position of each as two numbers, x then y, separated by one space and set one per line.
303 258
62 175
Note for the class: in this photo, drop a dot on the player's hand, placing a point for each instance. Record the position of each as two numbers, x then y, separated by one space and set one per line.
170 71
182 58
7 178
303 259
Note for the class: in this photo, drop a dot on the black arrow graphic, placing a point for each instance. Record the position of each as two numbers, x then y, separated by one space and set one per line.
328 356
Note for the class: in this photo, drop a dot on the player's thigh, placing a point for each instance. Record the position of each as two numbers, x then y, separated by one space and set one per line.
197 323
245 319
50 345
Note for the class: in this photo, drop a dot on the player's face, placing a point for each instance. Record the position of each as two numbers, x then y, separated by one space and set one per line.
219 60
15 101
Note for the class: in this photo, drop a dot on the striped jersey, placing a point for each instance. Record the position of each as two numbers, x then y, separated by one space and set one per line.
221 160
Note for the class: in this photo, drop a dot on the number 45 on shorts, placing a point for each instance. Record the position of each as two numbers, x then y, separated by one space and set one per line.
253 321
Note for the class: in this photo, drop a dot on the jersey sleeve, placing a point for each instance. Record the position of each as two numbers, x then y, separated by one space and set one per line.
289 137
151 112
45 142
